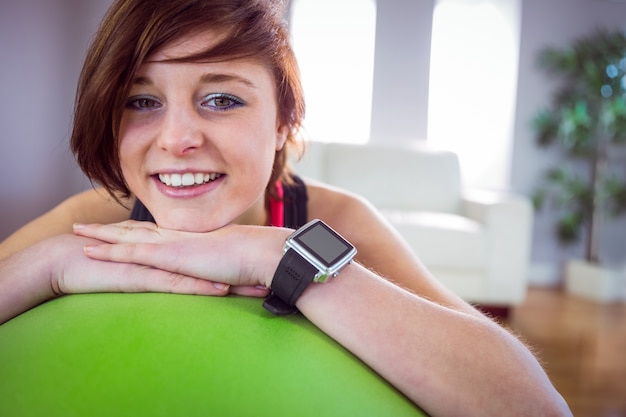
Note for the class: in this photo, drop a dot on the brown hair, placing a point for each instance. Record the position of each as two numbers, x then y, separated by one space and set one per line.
132 30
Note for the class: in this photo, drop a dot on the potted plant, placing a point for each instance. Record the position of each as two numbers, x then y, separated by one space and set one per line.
586 121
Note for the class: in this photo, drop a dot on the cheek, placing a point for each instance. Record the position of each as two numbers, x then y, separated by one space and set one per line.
124 145
256 164
126 155
130 155
259 145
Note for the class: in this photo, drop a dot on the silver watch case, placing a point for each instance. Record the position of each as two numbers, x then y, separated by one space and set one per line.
325 268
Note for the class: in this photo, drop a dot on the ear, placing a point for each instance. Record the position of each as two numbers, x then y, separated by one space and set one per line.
281 136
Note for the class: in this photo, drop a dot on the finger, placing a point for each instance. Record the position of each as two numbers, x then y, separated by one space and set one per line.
173 258
130 278
216 256
148 254
157 280
128 231
250 291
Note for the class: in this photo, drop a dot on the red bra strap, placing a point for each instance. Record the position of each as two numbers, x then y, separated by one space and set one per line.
277 207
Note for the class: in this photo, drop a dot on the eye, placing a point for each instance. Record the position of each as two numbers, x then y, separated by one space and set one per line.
222 101
143 103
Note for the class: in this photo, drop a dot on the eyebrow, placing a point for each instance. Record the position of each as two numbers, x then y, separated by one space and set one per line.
220 78
210 78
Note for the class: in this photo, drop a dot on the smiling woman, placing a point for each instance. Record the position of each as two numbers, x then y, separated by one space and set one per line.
187 112
175 111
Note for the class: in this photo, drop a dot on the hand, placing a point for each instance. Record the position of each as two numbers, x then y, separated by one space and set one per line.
76 273
243 258
58 265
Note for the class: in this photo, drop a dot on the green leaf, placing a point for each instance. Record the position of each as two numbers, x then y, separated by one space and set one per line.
556 175
568 229
615 190
546 126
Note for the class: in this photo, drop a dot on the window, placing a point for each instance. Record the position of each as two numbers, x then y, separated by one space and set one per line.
473 81
334 43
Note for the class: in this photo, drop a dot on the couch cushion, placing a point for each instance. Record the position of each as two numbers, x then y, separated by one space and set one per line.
313 161
442 239
406 178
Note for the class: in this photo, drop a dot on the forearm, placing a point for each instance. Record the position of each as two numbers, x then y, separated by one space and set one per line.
24 281
448 362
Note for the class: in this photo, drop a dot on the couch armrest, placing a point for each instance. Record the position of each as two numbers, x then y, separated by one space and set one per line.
507 219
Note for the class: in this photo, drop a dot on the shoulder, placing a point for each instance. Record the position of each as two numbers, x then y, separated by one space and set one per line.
380 247
355 218
336 205
98 206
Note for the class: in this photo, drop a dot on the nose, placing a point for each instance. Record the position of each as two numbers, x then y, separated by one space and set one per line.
180 132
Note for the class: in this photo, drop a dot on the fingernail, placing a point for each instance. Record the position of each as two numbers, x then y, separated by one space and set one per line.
78 226
260 287
88 249
220 286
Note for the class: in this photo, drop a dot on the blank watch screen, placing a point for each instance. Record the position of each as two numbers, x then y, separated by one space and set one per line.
324 243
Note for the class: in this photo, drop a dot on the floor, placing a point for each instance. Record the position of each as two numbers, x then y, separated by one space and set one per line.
582 345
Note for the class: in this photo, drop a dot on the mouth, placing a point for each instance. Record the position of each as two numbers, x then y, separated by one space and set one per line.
188 179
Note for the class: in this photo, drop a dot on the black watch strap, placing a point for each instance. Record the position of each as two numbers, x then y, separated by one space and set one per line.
293 275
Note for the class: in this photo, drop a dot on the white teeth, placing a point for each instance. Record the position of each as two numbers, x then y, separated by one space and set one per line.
177 180
165 179
187 179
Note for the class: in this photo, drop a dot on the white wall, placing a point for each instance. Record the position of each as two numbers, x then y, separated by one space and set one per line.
473 85
401 68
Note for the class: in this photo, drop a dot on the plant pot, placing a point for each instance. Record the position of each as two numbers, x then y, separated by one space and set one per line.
595 282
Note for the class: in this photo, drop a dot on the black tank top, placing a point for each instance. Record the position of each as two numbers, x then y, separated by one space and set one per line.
295 200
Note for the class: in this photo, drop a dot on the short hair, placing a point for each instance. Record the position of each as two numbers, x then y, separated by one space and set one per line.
132 30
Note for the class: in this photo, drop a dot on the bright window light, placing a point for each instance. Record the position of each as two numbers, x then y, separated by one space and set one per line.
473 81
334 43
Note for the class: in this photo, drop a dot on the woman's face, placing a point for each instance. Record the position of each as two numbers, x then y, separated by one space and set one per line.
197 140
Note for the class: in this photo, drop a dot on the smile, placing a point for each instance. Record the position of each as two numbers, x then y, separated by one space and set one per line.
187 179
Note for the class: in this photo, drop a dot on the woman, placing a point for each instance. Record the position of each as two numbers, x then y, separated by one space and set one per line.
186 113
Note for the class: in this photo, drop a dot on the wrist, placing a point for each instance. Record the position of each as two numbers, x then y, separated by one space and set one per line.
25 279
313 253
275 255
260 260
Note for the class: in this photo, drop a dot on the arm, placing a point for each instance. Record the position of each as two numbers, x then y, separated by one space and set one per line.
58 266
448 362
43 260
481 361
28 257
447 358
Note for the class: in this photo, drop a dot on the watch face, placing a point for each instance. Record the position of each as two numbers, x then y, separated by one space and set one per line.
324 243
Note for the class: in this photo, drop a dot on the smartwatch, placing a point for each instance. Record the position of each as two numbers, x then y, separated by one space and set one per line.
312 253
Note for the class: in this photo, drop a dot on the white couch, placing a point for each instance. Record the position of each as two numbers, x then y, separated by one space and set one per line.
477 243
